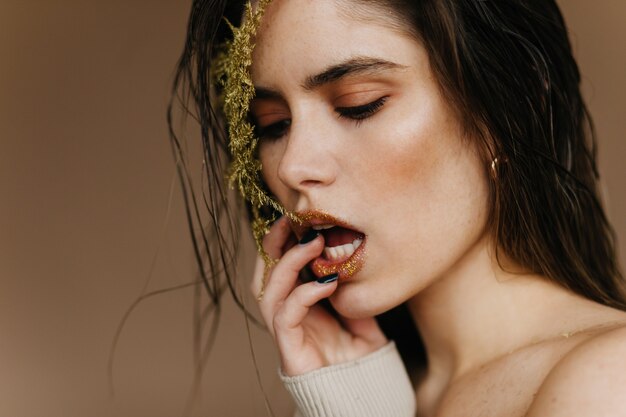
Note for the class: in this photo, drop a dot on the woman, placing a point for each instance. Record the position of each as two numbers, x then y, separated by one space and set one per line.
431 154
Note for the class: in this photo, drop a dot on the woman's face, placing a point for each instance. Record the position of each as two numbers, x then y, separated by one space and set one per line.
353 124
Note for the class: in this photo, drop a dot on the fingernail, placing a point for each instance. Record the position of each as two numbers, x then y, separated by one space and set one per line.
328 279
309 236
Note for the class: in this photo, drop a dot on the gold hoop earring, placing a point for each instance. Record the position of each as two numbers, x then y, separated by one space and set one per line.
495 163
494 167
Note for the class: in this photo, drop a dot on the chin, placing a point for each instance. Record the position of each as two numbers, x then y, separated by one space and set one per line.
357 300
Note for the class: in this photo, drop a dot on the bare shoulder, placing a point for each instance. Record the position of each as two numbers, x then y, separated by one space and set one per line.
590 380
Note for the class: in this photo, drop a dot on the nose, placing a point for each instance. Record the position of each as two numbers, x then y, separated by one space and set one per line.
308 159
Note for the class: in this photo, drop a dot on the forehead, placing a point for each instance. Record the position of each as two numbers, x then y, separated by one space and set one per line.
300 37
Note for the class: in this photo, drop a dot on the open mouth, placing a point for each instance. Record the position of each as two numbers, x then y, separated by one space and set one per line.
340 242
343 244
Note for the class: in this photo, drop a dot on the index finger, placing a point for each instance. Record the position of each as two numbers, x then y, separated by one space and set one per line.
274 245
275 240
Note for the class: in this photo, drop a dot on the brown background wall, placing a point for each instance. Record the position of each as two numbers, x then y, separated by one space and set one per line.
85 174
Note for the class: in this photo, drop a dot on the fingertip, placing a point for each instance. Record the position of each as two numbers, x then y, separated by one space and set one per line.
277 237
277 226
282 221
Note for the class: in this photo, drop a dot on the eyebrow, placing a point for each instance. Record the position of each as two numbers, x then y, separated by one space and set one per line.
349 67
352 66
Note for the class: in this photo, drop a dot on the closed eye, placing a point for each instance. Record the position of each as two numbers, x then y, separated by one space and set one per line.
273 131
278 129
360 113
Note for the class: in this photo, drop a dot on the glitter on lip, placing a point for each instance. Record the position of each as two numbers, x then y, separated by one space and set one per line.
321 266
346 269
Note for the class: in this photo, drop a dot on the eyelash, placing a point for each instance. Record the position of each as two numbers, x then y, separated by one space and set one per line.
356 113
360 113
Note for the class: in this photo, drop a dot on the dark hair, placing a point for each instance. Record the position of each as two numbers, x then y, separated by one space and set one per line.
507 69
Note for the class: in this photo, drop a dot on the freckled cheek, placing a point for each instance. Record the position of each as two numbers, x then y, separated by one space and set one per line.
403 157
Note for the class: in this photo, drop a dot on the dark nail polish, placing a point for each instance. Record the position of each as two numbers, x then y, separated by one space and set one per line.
328 279
309 236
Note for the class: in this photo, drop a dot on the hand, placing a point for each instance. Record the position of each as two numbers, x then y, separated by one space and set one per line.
307 336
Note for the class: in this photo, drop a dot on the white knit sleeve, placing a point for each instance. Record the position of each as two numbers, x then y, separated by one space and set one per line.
376 385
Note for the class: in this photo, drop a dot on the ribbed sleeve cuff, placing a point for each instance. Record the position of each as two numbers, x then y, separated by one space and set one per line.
375 385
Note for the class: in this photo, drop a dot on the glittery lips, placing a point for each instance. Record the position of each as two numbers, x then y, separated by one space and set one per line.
344 252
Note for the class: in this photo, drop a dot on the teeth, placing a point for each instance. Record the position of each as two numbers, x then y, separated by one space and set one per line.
343 251
323 226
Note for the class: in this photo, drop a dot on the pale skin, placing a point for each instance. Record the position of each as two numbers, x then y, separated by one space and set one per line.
405 175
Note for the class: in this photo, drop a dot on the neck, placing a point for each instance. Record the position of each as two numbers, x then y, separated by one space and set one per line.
477 312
